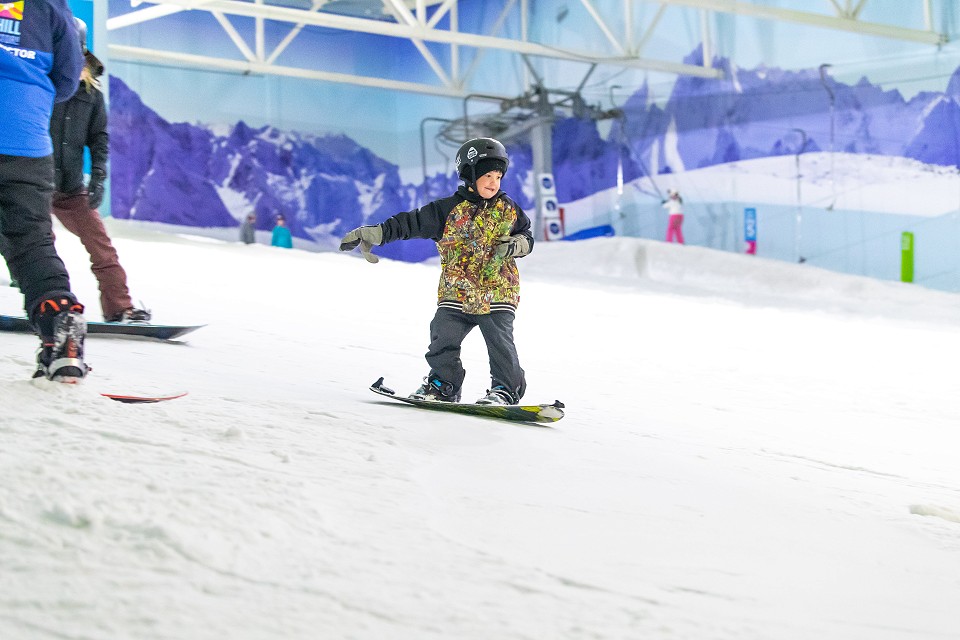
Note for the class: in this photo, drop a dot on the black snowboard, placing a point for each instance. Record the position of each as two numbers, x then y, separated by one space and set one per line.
157 331
539 413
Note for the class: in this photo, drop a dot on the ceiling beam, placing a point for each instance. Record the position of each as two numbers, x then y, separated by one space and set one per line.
247 67
603 26
425 33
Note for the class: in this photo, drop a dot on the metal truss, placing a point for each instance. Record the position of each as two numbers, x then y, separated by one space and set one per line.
436 21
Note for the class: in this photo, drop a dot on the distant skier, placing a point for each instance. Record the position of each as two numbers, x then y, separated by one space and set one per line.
674 206
281 234
248 230
479 232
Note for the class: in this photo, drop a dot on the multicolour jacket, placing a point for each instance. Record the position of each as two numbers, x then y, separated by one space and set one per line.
466 229
40 62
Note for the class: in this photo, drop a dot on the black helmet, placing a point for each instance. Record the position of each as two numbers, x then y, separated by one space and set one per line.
490 152
81 32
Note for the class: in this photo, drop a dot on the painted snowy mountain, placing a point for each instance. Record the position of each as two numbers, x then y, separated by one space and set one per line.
750 114
186 174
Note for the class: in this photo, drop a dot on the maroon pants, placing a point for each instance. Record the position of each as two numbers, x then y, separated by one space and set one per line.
74 213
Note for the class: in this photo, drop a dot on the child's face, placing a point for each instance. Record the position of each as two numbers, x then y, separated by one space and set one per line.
489 184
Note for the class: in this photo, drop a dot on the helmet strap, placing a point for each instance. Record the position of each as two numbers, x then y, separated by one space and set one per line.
472 180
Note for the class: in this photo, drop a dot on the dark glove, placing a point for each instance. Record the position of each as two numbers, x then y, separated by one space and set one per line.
512 247
366 237
95 190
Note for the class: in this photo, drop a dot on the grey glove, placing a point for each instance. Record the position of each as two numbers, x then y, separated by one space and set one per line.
512 247
366 237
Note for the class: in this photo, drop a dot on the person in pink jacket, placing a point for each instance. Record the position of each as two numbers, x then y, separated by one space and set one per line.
674 206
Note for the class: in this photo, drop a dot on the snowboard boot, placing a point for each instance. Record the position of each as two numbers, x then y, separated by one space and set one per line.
498 395
131 316
436 390
62 331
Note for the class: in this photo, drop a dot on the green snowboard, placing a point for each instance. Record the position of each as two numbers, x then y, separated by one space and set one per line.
516 412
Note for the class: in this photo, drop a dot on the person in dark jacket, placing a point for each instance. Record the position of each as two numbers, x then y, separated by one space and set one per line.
78 123
40 64
479 232
248 230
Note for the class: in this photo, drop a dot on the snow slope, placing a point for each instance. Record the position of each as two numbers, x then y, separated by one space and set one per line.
752 450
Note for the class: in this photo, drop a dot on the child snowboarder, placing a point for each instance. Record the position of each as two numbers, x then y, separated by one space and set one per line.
479 231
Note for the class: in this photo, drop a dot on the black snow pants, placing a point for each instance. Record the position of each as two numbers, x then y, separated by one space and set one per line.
26 231
448 329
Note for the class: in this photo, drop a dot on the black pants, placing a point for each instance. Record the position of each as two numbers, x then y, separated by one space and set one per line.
26 232
448 329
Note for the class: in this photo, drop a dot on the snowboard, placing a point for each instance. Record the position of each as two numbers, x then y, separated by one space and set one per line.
539 413
141 399
157 331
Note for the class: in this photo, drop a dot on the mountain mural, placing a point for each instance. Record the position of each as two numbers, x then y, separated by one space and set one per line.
750 114
186 174
767 112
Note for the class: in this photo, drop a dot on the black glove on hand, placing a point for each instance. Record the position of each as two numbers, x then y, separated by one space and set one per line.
366 237
95 190
512 247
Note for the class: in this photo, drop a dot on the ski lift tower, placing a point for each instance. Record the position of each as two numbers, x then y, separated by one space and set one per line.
529 117
548 223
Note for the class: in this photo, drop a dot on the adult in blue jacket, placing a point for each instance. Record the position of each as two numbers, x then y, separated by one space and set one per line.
40 63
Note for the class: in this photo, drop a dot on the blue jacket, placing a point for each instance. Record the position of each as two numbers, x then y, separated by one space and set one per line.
40 63
282 237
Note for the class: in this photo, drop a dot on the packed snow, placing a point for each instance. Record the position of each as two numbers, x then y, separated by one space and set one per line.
751 450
